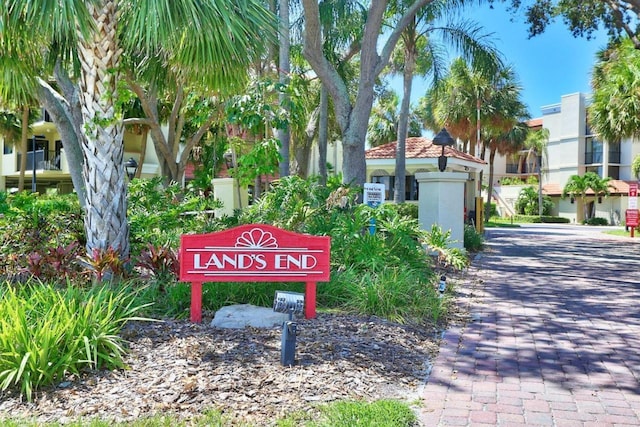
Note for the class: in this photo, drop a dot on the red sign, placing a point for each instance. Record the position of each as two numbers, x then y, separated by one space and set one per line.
253 253
631 217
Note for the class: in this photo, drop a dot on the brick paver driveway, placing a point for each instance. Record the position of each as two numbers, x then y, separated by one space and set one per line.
554 336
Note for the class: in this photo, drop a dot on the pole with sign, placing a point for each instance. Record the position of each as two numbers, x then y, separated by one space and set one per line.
631 214
373 197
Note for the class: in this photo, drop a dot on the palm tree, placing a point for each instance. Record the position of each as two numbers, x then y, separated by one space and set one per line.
384 121
615 111
452 102
537 142
422 49
578 186
461 102
18 87
208 40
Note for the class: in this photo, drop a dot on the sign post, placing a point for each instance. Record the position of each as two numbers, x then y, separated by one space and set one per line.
254 253
373 197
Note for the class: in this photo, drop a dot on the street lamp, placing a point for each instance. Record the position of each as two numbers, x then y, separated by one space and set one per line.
131 167
443 139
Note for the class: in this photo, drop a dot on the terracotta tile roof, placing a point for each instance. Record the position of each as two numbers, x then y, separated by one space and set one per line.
618 188
552 189
419 148
534 123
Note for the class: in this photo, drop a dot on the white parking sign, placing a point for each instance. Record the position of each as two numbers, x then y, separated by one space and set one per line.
373 194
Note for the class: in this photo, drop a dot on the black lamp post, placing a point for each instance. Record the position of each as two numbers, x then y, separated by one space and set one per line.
443 138
131 167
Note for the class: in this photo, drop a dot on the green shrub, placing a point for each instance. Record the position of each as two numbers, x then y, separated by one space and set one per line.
596 221
46 333
407 209
158 215
473 240
555 220
536 219
393 293
439 242
528 201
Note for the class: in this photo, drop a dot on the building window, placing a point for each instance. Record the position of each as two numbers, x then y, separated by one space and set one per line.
7 149
595 169
614 172
593 151
410 186
614 153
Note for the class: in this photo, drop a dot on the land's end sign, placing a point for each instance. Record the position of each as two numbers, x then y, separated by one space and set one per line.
254 253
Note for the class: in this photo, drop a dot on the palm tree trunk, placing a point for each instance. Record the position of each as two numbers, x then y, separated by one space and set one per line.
103 149
403 126
284 135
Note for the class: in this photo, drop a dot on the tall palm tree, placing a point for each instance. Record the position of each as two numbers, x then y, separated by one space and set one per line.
615 110
210 40
461 101
422 49
537 143
452 102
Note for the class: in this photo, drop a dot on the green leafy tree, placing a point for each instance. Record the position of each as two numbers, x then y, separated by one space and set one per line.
583 17
352 114
209 41
253 117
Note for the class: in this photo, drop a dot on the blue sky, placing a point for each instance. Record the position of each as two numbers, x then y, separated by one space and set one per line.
548 66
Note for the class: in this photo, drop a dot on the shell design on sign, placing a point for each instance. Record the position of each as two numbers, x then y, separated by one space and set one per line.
256 238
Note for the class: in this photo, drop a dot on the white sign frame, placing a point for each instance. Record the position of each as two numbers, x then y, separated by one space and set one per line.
374 194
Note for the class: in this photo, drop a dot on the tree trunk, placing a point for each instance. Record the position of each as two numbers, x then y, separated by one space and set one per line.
323 134
284 135
66 114
24 134
403 126
106 210
353 118
302 150
143 150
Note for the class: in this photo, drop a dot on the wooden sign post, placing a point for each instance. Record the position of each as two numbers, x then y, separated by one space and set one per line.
254 253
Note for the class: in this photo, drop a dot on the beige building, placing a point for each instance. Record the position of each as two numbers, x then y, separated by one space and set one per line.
573 149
